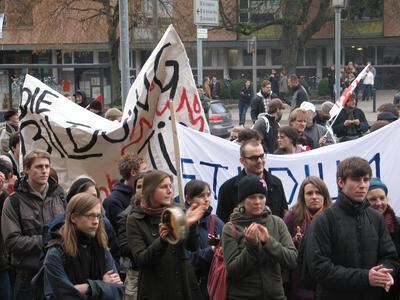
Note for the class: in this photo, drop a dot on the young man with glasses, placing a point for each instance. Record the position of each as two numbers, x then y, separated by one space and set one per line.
252 158
36 200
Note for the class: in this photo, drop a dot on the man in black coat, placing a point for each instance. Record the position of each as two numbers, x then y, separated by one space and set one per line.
267 125
351 255
252 158
259 103
299 92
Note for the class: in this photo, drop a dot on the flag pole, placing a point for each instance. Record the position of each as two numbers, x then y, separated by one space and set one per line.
171 105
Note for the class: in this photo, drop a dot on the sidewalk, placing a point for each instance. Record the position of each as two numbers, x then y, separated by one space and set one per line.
382 96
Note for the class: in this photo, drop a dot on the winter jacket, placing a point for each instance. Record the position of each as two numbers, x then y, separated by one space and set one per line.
299 96
254 272
117 202
258 105
315 132
202 257
57 285
164 269
228 196
22 233
341 256
5 133
3 252
340 130
245 95
267 128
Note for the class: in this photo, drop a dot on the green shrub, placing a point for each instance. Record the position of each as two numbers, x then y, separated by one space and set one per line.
323 87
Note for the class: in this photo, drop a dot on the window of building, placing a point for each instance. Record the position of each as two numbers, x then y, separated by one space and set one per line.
363 10
257 11
220 57
247 58
261 57
67 58
164 8
233 57
43 57
83 57
359 54
276 57
207 57
324 56
104 57
192 55
388 55
311 57
300 57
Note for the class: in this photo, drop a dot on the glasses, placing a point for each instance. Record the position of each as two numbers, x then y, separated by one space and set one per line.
255 157
93 217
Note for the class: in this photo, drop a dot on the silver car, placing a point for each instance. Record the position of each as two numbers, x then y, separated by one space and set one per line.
220 119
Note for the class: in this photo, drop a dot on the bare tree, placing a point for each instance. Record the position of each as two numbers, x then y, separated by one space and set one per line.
297 23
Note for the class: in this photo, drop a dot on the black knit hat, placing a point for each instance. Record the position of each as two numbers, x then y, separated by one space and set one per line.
251 184
77 187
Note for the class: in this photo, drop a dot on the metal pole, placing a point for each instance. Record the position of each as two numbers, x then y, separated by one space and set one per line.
124 49
199 59
337 52
254 67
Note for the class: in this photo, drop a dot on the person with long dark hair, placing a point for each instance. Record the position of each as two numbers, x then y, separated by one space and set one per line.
199 192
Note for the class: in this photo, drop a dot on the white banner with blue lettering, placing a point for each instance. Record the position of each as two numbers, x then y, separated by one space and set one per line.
215 160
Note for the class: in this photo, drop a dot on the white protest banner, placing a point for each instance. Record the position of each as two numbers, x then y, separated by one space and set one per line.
80 142
219 161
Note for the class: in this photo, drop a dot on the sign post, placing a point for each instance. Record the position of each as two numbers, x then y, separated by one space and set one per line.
206 13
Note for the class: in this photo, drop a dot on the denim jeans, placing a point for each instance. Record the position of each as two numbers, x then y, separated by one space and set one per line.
5 290
367 93
243 107
23 290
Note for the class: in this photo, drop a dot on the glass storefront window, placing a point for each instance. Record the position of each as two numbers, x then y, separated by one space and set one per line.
300 57
276 56
311 57
83 57
388 55
360 55
261 57
207 57
247 58
104 57
233 56
67 57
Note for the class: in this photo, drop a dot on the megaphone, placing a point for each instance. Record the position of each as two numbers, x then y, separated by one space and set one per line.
175 219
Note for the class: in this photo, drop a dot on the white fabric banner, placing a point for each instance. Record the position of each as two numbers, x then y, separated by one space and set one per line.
219 160
81 142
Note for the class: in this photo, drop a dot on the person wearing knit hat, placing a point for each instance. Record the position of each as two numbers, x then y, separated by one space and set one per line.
377 198
254 241
154 253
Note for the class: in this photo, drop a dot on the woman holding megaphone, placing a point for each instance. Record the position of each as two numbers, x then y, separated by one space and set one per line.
158 234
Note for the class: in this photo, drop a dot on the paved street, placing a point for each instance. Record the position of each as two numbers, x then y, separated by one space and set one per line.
382 96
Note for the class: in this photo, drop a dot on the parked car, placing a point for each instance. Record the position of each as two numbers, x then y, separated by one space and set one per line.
220 119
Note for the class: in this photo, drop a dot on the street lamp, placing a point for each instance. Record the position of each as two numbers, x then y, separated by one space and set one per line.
338 5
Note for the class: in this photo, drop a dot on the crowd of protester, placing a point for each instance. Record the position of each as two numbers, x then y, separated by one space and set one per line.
69 244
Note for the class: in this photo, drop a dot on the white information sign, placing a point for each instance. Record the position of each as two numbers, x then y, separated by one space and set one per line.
202 33
206 12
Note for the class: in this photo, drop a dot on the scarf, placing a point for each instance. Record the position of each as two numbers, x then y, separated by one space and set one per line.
156 212
310 216
390 219
89 263
243 219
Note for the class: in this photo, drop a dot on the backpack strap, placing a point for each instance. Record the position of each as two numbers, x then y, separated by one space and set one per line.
266 121
212 225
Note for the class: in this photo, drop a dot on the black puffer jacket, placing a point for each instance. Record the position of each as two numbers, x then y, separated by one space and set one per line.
342 256
268 128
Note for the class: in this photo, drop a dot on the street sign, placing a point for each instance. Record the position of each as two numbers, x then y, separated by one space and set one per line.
202 33
206 12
